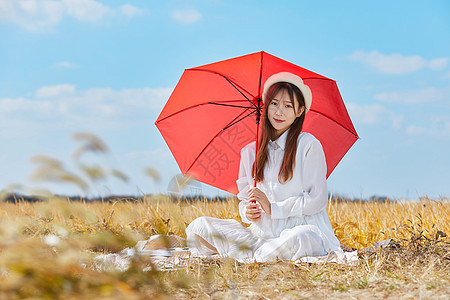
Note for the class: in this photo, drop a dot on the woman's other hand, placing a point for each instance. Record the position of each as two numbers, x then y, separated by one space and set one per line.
253 212
255 194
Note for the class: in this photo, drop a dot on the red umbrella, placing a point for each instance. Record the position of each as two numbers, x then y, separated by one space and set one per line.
212 114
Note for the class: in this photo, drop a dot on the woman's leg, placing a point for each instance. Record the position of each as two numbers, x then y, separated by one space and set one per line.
293 243
205 243
228 238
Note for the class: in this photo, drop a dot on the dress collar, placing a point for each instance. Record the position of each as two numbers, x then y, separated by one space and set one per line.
281 141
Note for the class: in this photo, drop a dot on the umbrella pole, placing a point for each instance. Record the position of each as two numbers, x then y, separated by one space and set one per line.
258 117
256 154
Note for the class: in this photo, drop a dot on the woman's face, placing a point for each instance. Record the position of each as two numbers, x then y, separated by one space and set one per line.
281 112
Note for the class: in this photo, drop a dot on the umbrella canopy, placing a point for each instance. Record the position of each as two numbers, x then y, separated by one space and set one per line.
212 114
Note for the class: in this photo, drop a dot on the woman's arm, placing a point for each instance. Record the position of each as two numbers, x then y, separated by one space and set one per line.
243 183
314 197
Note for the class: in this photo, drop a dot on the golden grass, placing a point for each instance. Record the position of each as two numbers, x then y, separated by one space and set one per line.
47 249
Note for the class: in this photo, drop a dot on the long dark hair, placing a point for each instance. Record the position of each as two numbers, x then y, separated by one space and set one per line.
268 132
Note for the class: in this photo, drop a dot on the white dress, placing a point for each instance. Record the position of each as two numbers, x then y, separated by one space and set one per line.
298 225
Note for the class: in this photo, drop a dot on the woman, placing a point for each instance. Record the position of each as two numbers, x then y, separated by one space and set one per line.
287 208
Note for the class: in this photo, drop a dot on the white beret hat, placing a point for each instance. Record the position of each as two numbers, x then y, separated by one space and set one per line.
293 79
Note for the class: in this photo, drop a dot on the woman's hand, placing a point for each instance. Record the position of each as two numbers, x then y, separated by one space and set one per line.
253 212
255 194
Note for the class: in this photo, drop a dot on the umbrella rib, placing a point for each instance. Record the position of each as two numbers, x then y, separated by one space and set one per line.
317 112
234 122
200 104
240 106
229 81
238 90
228 126
260 74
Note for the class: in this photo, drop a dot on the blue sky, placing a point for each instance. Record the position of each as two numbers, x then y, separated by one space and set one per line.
108 67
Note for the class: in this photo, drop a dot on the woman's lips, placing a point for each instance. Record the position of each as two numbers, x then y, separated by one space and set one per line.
278 121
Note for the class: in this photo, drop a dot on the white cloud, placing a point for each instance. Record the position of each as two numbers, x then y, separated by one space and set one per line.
439 127
435 126
86 10
37 15
65 106
415 130
188 16
131 11
9 106
438 63
55 91
397 63
31 14
369 114
373 114
422 95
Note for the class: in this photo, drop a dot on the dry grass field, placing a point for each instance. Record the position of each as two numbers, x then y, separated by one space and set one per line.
47 250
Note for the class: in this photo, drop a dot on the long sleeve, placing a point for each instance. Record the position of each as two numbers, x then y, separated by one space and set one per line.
314 196
244 181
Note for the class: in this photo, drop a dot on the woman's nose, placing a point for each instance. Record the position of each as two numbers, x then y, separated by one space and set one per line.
279 109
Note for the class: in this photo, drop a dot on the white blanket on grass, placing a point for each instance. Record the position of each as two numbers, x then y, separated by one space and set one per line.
178 257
